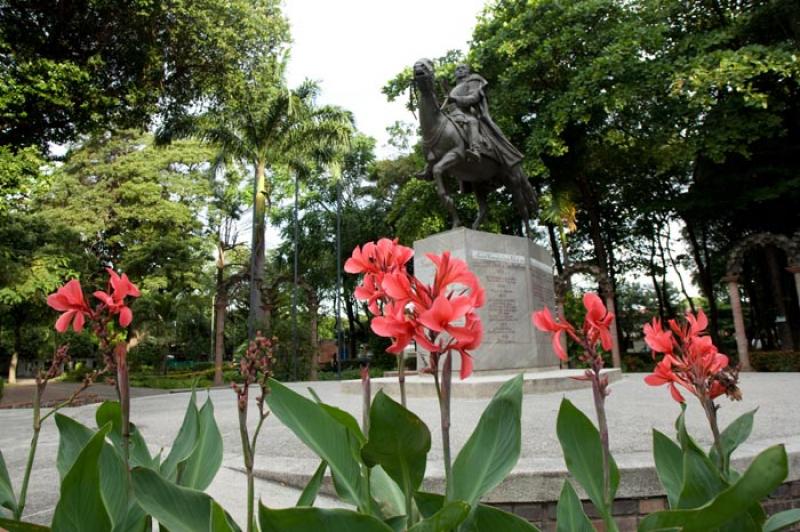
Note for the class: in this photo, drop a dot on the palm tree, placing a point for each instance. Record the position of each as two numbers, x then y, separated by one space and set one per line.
260 122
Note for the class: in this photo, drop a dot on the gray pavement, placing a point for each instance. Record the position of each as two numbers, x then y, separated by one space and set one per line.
633 410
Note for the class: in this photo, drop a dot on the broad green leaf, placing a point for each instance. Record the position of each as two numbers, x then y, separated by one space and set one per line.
492 450
387 497
317 520
113 484
184 442
331 440
80 506
7 498
765 474
135 520
206 458
309 494
570 516
583 453
702 480
346 419
398 441
669 466
447 518
110 411
733 436
484 517
178 508
492 519
72 439
782 520
20 526
220 520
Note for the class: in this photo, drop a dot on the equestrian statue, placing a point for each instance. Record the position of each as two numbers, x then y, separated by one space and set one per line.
461 140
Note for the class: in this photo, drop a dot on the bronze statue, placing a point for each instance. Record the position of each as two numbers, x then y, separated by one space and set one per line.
461 139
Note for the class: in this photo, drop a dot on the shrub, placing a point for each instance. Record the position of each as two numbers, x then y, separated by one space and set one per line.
2 384
775 360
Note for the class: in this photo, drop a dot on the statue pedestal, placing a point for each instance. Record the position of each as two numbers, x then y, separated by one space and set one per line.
518 278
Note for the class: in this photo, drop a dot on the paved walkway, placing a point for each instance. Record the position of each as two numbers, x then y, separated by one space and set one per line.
633 409
20 395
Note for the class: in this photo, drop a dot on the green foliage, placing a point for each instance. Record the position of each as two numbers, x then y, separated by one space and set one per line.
398 441
765 474
484 518
448 517
329 439
570 516
309 493
61 78
492 450
583 453
775 360
7 498
81 505
178 508
2 385
669 466
317 520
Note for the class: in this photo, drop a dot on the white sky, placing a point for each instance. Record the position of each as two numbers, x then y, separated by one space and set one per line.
353 47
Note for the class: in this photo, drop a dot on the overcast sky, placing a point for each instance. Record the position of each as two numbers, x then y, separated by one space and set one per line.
353 47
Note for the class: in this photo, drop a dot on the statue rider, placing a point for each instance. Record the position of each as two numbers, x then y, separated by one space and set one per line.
467 106
465 99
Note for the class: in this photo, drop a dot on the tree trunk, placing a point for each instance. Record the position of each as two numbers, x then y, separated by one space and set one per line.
12 367
255 317
220 309
351 326
551 233
706 281
779 298
665 288
313 312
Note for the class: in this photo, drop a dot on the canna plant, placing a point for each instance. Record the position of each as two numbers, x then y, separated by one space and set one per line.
704 492
380 470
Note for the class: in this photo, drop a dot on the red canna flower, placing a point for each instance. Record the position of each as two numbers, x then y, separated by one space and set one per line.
691 360
69 300
543 320
115 302
394 324
598 320
657 338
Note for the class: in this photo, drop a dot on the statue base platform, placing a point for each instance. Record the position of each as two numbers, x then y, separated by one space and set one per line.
481 385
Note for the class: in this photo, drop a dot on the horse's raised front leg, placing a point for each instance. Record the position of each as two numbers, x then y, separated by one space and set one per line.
447 161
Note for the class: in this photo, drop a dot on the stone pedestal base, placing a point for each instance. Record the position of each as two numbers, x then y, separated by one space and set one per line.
480 386
518 278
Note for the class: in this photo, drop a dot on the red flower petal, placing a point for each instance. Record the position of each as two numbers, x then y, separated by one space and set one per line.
62 323
125 316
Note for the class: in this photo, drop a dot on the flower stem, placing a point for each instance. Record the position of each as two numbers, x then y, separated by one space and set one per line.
711 415
247 455
366 397
600 409
401 377
37 427
444 408
123 389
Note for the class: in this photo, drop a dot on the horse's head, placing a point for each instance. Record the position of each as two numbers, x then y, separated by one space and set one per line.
423 69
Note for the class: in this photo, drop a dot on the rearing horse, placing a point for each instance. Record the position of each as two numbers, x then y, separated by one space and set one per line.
445 151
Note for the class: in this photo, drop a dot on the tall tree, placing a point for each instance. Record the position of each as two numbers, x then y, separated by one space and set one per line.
259 123
72 66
